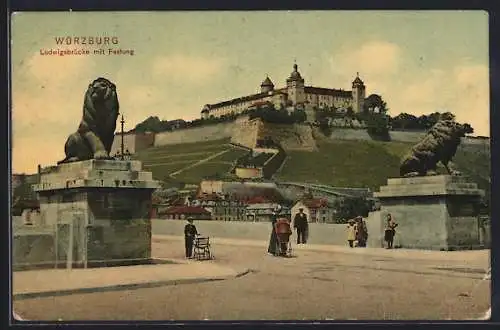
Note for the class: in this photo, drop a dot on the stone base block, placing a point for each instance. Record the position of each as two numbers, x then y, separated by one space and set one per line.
99 210
433 212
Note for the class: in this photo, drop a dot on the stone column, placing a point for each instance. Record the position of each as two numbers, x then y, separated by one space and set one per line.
433 212
105 204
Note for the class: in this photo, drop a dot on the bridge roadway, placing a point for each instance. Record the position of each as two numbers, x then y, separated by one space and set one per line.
362 284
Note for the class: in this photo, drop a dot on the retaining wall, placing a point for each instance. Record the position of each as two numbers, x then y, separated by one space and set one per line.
319 233
195 134
292 137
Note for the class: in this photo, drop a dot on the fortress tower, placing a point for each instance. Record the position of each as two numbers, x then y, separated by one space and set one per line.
358 94
295 87
266 86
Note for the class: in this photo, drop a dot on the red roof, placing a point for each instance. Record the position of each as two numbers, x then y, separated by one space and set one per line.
315 203
207 197
186 210
258 200
327 91
261 103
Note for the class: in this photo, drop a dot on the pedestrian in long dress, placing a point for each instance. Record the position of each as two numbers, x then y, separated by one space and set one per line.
273 247
361 232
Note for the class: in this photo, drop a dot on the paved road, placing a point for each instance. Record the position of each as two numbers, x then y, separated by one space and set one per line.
313 285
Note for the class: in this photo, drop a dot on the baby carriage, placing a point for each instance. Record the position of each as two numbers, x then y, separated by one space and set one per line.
283 232
202 248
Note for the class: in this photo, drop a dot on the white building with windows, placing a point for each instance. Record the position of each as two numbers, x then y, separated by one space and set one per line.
295 94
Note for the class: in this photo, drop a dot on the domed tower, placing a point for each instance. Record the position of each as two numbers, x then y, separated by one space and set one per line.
358 94
295 87
266 86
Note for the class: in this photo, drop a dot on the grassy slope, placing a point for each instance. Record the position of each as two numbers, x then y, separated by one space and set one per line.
167 159
340 163
369 163
344 164
475 162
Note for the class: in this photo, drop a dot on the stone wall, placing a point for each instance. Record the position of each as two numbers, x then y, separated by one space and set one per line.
33 248
133 142
334 234
196 134
128 143
406 136
290 137
243 132
131 241
246 133
362 134
350 134
319 233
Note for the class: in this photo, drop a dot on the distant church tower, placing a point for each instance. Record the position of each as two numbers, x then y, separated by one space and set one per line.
358 94
295 87
266 86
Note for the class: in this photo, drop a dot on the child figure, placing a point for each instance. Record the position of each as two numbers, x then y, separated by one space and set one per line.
390 231
351 233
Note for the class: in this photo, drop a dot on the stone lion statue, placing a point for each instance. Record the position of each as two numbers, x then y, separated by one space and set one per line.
439 145
94 137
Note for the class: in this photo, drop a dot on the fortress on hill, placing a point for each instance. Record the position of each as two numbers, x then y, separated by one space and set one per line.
296 95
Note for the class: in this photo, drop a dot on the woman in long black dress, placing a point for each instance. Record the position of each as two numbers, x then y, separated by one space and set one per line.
273 240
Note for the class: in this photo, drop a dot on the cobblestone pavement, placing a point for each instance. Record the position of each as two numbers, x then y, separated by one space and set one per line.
311 285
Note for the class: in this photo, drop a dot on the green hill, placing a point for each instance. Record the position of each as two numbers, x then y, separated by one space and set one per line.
190 162
349 163
345 163
341 163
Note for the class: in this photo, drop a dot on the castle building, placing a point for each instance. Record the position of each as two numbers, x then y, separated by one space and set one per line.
295 95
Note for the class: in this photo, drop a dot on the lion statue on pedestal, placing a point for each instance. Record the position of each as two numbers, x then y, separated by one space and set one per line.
439 145
94 137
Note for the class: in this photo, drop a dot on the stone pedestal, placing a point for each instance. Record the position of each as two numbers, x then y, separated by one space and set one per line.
433 212
99 211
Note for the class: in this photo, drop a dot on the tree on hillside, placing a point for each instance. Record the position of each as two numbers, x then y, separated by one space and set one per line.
270 115
424 122
298 116
404 121
378 126
151 124
320 114
349 113
375 102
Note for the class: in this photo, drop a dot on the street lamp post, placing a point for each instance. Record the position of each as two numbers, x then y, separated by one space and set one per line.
122 121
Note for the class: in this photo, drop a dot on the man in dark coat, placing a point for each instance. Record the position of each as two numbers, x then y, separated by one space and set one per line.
300 224
190 233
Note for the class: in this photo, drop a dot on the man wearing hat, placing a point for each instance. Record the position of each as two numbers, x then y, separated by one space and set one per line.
189 234
300 224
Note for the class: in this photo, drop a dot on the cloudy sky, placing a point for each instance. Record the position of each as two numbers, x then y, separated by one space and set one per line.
419 61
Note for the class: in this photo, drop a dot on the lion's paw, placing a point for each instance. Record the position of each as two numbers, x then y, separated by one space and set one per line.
101 154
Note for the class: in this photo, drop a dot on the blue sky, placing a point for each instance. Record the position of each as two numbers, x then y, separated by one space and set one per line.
419 61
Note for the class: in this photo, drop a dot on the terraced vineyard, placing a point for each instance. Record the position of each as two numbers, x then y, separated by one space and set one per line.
190 162
340 163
